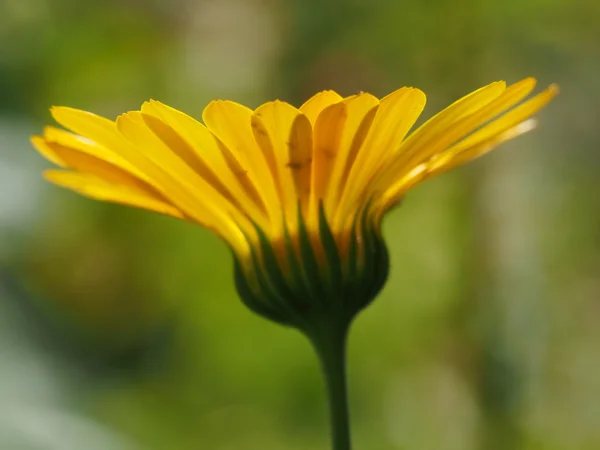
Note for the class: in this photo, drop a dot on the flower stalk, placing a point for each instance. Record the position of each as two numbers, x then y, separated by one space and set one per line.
329 342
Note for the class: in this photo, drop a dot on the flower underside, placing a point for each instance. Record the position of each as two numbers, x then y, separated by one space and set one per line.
308 283
278 174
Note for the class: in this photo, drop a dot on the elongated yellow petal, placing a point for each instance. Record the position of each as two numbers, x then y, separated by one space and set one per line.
88 157
67 138
93 127
396 115
431 130
186 189
508 120
83 144
505 127
86 163
445 162
93 167
328 132
284 133
360 111
211 159
181 148
451 158
42 147
301 164
318 102
104 134
466 124
99 189
230 122
421 140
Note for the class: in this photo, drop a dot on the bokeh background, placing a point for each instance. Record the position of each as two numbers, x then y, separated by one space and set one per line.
120 329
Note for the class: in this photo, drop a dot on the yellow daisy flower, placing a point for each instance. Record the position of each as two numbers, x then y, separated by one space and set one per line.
297 193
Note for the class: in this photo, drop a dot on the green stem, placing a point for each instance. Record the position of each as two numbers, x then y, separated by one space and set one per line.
330 344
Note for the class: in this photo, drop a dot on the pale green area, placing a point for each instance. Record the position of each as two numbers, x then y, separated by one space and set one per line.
120 329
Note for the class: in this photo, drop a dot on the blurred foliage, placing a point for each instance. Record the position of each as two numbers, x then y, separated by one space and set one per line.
121 330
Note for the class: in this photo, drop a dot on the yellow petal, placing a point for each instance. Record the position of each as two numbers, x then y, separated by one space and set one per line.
395 192
300 158
99 189
84 162
105 133
327 139
284 133
180 147
361 110
83 144
107 141
91 126
211 159
317 103
431 130
230 122
451 159
508 126
184 187
508 120
66 138
174 142
89 147
42 147
397 113
410 152
460 128
505 127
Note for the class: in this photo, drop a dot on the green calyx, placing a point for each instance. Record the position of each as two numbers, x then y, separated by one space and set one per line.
309 289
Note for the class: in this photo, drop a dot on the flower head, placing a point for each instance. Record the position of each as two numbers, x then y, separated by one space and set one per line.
297 193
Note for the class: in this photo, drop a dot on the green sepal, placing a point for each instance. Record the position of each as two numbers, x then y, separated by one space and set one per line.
309 263
251 300
334 287
310 288
297 275
282 292
382 260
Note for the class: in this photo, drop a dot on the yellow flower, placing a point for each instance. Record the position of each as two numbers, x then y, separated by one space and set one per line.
297 193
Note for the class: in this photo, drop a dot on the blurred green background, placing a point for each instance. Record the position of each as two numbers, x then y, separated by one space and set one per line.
120 329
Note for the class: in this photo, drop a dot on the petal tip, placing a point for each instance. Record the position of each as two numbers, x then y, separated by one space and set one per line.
37 140
57 110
